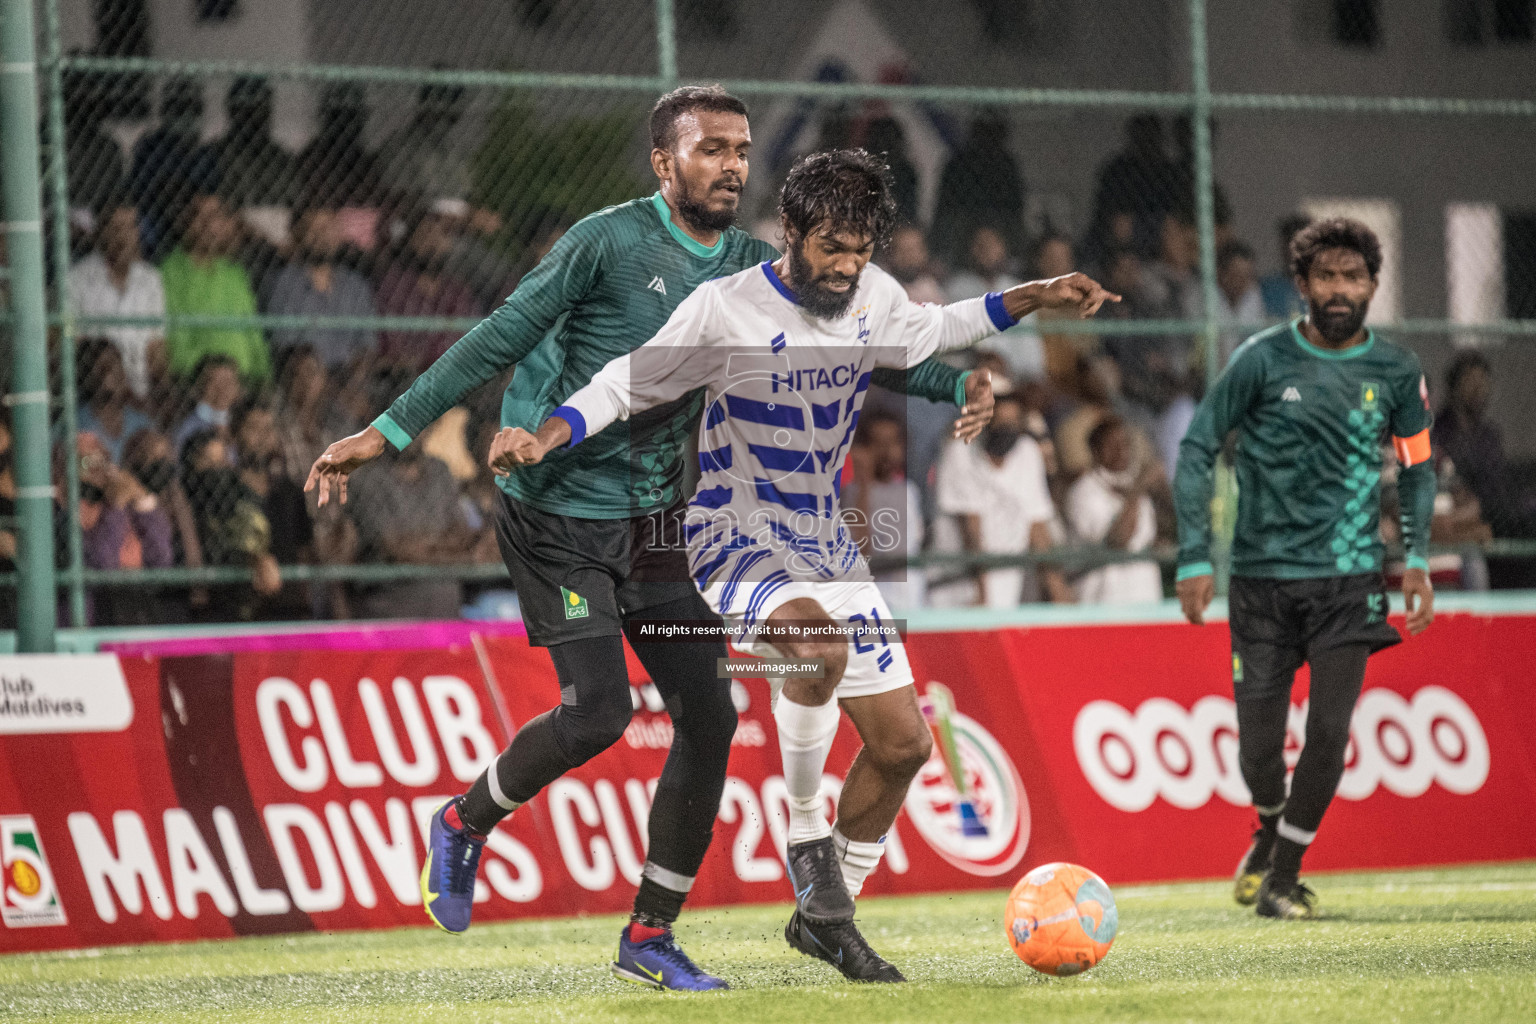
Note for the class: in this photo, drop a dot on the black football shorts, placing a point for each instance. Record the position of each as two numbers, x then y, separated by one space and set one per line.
1279 624
581 578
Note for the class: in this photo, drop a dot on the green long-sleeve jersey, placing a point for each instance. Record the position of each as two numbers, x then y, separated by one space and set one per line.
1310 426
604 289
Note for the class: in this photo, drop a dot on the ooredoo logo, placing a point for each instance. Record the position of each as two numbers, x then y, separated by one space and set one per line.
968 802
27 895
1187 756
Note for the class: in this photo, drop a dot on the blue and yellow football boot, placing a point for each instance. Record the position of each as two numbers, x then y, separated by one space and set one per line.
448 876
658 962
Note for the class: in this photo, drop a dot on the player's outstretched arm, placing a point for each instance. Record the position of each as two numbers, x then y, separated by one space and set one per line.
559 283
666 367
1072 293
919 331
341 460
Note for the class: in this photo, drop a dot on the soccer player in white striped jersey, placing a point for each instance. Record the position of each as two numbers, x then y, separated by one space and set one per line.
785 351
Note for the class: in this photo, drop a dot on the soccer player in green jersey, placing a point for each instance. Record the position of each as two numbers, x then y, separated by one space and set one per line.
1312 402
592 536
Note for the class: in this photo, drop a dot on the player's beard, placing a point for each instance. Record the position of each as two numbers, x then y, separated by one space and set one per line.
698 213
1337 327
814 299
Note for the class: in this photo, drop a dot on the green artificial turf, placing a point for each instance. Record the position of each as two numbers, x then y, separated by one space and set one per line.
1454 945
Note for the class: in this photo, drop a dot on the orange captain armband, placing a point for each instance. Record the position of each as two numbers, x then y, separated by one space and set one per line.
1412 450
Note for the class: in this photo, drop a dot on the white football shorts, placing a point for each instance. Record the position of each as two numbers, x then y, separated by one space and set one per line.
877 663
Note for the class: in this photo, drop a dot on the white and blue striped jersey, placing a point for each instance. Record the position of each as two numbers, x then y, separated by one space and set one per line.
783 394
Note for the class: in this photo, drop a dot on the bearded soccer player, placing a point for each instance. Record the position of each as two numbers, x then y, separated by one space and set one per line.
590 537
1312 402
785 352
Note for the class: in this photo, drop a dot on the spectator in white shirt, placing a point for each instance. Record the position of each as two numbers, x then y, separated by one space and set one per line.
883 508
996 493
116 281
1110 505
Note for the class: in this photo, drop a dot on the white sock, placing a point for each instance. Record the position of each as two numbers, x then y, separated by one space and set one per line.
805 739
858 860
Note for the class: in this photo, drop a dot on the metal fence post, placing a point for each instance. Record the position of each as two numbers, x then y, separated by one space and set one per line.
1205 200
58 181
1205 225
24 236
666 44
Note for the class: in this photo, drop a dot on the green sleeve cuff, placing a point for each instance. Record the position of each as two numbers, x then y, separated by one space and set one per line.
960 388
1193 569
1418 562
391 431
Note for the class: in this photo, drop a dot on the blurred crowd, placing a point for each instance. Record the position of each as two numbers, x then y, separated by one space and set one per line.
1088 425
194 442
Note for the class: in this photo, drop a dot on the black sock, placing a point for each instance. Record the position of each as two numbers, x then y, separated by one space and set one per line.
476 825
688 793
656 906
1265 839
1286 863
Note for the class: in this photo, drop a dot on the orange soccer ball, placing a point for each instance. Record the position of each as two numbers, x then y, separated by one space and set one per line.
1061 919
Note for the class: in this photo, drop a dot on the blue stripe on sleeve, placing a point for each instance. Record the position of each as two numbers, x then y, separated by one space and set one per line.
577 421
998 311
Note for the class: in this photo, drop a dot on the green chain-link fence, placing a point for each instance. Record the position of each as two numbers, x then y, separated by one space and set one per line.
262 219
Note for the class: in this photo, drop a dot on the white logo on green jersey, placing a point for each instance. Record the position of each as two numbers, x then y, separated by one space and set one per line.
1291 395
658 285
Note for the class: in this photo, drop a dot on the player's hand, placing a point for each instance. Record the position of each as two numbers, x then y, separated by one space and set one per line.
513 447
1195 596
1074 292
1419 596
977 411
342 459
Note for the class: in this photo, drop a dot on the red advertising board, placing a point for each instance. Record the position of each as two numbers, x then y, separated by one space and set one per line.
148 798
